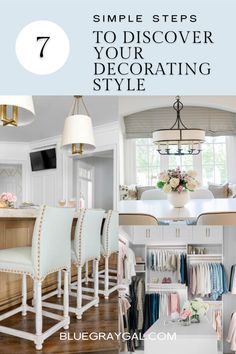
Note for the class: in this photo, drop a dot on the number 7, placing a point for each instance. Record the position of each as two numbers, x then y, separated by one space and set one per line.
42 49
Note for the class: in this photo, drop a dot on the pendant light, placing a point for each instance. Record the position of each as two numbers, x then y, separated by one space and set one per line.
178 139
10 110
78 130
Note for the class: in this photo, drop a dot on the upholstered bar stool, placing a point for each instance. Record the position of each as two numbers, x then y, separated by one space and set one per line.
109 246
52 232
85 248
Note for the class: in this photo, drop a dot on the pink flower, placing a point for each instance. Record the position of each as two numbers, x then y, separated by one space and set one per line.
180 189
186 313
8 197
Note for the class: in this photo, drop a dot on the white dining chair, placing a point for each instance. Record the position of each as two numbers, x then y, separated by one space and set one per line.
154 194
109 246
201 193
217 218
50 252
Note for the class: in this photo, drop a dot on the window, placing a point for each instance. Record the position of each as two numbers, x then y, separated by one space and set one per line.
214 164
184 162
211 164
147 162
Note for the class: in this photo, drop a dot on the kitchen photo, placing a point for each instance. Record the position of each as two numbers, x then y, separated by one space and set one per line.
59 160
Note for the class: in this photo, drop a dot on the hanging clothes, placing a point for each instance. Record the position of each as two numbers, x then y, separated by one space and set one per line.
164 260
232 281
126 263
160 305
151 310
208 280
231 338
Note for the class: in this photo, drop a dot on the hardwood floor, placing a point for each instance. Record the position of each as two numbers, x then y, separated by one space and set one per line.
101 319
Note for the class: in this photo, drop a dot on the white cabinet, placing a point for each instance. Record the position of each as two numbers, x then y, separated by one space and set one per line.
177 234
207 234
147 235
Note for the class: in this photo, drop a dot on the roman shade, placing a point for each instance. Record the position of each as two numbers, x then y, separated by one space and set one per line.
214 122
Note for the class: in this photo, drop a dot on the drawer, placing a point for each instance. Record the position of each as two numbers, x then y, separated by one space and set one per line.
147 235
207 234
177 234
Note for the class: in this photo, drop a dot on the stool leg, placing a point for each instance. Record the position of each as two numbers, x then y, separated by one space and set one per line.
66 299
95 278
79 293
69 279
106 279
86 273
118 268
34 294
24 295
38 315
59 283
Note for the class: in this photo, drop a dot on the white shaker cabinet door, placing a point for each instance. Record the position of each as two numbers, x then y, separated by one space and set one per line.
207 234
177 234
147 235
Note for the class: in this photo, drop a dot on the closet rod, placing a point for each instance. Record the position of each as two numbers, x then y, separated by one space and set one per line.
182 247
208 260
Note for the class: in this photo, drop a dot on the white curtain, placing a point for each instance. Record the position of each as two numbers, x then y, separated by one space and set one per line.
130 161
231 158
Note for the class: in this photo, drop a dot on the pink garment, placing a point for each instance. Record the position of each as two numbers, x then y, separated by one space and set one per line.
231 338
174 303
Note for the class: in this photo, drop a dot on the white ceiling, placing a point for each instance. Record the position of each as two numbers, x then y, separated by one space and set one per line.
50 114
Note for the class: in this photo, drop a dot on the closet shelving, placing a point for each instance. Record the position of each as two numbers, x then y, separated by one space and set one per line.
206 244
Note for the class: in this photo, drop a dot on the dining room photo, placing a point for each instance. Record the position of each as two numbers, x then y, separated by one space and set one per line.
178 159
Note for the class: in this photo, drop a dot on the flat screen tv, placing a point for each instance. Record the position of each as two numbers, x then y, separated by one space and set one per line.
43 160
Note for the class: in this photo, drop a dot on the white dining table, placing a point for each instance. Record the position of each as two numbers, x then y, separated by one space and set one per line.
163 210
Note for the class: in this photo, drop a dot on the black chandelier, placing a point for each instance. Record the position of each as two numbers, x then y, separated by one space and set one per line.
178 139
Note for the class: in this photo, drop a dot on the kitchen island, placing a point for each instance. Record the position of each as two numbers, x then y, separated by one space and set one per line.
169 337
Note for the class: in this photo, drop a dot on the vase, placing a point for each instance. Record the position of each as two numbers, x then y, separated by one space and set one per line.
195 319
4 204
178 200
186 322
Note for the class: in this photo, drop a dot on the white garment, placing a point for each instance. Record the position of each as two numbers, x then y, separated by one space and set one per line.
231 338
130 263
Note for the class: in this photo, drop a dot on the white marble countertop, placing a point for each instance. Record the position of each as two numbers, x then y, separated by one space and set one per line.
21 213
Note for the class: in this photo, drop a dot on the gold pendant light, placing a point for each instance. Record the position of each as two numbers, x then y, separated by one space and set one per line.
9 110
78 130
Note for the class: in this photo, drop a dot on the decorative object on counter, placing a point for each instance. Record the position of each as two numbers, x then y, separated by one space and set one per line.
178 139
16 102
72 203
7 200
177 184
198 309
78 129
28 205
62 202
81 201
185 317
196 250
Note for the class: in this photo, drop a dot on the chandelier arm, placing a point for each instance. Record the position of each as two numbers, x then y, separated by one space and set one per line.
86 110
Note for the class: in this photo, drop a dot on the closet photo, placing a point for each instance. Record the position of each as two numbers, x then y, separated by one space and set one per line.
165 268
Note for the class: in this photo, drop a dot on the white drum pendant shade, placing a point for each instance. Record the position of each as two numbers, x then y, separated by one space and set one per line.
24 102
78 129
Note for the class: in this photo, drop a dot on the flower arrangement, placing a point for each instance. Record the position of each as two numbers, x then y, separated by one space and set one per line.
194 309
177 181
7 200
185 316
